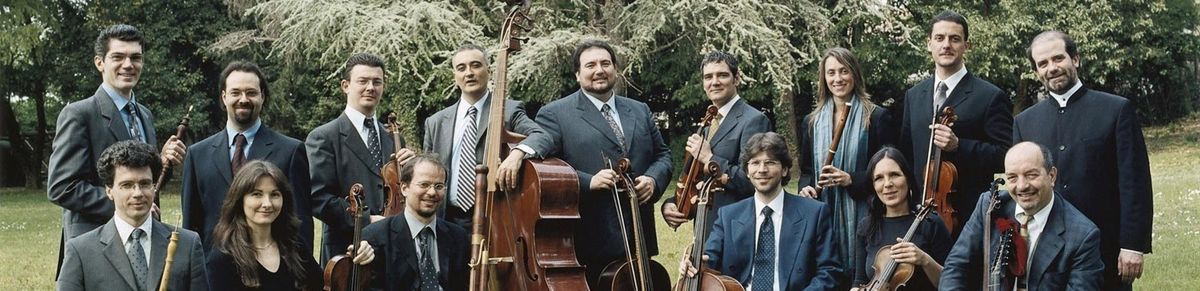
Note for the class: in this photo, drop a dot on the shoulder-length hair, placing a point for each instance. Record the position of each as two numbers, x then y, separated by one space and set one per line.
232 233
876 210
844 56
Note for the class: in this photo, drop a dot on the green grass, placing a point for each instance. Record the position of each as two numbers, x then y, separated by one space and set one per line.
29 224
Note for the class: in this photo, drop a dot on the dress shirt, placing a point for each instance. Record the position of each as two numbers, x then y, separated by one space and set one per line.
612 105
776 221
1036 225
951 82
357 118
1062 99
414 227
124 229
250 133
724 110
122 100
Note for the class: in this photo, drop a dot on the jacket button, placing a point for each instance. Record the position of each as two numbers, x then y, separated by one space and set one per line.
1062 148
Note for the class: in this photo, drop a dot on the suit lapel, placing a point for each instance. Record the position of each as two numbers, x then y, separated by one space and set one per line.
744 237
592 116
791 233
961 91
628 123
114 252
147 125
353 140
481 124
158 253
729 122
264 144
1049 243
222 161
406 245
108 110
443 251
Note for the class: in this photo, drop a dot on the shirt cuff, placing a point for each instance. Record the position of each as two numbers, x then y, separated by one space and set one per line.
528 150
1132 252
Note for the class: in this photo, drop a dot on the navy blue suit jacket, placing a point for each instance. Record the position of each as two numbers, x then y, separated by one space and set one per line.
396 262
807 256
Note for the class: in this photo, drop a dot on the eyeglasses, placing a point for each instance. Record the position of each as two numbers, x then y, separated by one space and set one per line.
764 163
427 185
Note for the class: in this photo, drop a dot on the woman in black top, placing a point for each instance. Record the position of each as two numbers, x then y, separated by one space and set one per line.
256 242
890 214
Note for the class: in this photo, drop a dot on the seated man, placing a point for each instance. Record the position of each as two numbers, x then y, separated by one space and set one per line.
1065 244
129 252
775 240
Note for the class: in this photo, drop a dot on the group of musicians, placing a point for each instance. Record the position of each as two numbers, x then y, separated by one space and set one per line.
1075 164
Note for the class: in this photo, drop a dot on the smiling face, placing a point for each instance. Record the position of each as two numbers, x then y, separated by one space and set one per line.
597 72
243 98
1057 70
121 66
765 173
424 193
364 88
1029 183
471 72
948 45
720 84
838 78
132 193
890 185
262 205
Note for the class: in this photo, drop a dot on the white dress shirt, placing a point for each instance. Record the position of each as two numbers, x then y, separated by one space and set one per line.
776 221
357 118
951 82
612 105
125 230
1062 99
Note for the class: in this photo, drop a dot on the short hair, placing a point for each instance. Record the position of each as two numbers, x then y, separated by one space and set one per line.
593 43
1068 43
774 146
720 56
1047 155
248 67
954 17
129 154
365 59
407 169
122 32
472 46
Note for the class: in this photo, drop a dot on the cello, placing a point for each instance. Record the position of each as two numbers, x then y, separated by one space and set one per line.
889 274
706 279
522 238
685 189
637 271
941 175
393 200
341 273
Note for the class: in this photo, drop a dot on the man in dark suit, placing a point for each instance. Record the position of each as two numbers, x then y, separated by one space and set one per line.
736 121
774 240
351 149
1063 244
1099 148
208 171
86 127
592 125
420 251
976 142
129 252
457 133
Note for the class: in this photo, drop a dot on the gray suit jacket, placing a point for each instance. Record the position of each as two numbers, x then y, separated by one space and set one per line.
97 260
337 159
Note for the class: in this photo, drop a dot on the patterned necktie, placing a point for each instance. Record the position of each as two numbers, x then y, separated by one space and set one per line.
239 152
464 196
1024 218
616 128
373 142
135 122
712 129
763 272
940 96
137 257
429 274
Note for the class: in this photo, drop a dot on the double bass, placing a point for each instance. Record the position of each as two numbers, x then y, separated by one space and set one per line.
941 175
341 273
889 274
685 189
637 272
522 238
393 200
706 279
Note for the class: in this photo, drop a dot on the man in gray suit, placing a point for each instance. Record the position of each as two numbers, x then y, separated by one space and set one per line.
130 251
86 127
457 133
592 125
208 171
351 149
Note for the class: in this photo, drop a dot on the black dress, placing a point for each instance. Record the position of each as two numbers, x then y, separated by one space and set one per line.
223 274
931 236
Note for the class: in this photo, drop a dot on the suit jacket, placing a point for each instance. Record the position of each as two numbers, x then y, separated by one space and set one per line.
97 260
207 172
578 134
338 158
807 256
439 133
1103 168
726 144
882 132
396 264
984 130
1066 256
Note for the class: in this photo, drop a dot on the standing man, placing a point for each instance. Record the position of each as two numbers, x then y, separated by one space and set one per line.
457 133
594 124
1062 243
129 252
722 142
351 149
208 171
86 127
776 240
1098 146
976 142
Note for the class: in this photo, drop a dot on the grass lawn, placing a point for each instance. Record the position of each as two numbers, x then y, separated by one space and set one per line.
30 224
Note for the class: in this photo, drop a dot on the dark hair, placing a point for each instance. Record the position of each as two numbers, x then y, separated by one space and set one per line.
365 59
122 32
130 154
846 58
248 67
875 208
954 17
407 169
592 43
721 56
472 46
232 234
774 146
1068 42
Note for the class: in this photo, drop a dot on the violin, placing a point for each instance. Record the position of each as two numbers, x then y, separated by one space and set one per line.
393 199
706 279
941 175
686 190
637 271
341 273
889 274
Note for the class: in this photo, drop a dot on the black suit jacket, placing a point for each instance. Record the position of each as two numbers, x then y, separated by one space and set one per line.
338 158
207 172
396 262
984 130
882 132
1103 167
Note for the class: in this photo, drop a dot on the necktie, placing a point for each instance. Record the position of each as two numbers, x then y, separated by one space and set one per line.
239 149
429 274
464 196
135 122
1025 219
137 258
616 128
940 96
1022 283
712 129
763 272
373 142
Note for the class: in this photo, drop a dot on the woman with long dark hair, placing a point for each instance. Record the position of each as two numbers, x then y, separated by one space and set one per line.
255 242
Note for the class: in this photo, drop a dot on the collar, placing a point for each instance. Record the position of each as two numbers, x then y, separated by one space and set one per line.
117 98
724 110
463 106
951 81
1040 216
249 133
415 226
1062 99
357 117
124 229
775 203
612 101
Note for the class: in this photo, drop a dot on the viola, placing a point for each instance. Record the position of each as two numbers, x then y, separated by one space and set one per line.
941 175
393 199
889 274
341 273
686 190
637 271
706 279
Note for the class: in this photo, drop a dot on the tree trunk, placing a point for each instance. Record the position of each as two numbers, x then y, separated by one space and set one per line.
36 165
